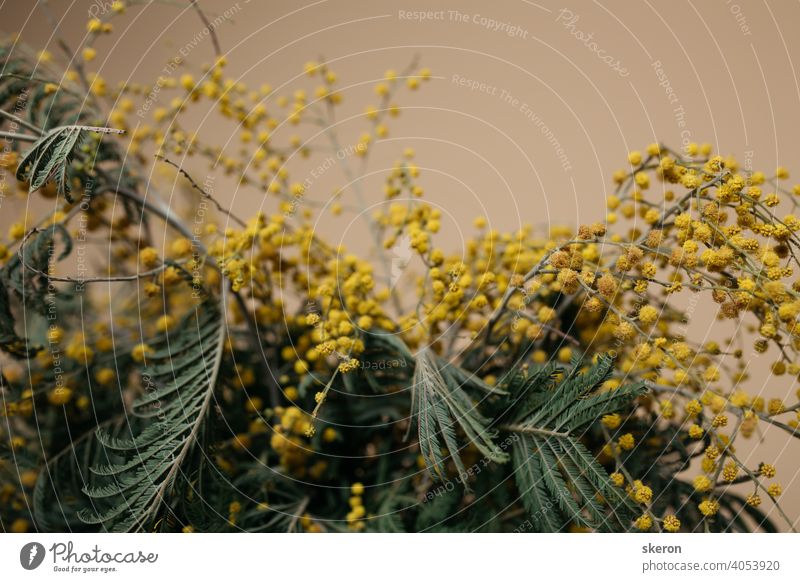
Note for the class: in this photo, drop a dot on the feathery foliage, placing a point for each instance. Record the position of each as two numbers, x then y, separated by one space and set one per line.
181 376
559 480
440 405
50 158
328 404
23 275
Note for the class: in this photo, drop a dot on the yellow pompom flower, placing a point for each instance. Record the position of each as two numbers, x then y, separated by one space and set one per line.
148 256
105 376
612 421
643 522
140 352
627 442
165 323
59 396
642 493
702 484
767 470
709 507
671 523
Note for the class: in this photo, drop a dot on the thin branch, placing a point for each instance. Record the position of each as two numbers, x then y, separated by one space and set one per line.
759 485
211 31
167 216
21 121
12 135
532 430
81 281
202 191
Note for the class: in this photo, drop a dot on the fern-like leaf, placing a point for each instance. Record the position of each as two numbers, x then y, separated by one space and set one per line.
440 405
559 480
129 490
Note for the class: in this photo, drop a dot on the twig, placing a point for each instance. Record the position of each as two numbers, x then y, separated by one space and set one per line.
298 514
202 191
211 31
620 466
21 121
18 136
757 482
119 278
532 430
167 216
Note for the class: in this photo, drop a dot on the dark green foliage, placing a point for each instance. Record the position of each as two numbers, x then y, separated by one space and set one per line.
62 117
440 405
128 491
58 496
22 275
10 341
559 480
49 159
51 156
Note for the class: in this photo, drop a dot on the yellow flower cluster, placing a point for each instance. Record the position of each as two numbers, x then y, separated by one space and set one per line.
679 225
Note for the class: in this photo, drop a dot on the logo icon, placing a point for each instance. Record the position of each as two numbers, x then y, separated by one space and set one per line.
31 555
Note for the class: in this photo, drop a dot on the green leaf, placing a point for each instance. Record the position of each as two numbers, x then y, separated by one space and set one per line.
440 404
144 469
559 480
19 277
11 342
50 157
58 495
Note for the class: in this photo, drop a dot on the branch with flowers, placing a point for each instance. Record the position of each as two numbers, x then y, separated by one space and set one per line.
217 373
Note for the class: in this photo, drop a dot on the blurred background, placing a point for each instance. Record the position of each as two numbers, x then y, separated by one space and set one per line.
531 105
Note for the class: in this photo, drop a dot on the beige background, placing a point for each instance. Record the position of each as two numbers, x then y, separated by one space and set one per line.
727 76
